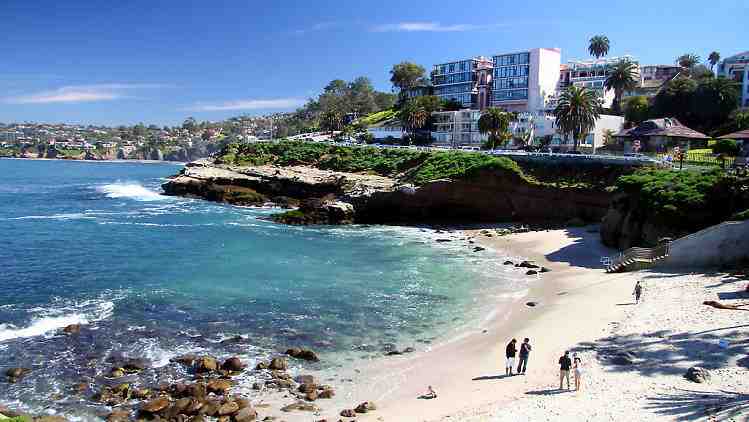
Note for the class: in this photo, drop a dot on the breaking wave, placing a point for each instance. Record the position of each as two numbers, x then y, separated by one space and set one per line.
130 190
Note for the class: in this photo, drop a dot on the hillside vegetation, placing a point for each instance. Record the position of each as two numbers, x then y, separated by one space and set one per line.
686 200
412 166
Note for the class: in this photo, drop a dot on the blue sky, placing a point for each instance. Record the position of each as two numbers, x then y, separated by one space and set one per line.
160 62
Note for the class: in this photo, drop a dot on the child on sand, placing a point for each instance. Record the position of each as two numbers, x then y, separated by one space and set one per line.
578 365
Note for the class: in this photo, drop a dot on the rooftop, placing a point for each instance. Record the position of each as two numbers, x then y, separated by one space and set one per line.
741 135
662 127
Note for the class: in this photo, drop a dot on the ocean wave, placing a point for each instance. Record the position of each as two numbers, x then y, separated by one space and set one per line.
40 326
134 191
69 216
51 319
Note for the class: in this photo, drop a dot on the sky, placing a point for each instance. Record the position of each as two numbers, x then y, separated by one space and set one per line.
159 62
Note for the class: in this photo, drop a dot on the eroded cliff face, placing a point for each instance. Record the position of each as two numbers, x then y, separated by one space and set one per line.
340 198
625 225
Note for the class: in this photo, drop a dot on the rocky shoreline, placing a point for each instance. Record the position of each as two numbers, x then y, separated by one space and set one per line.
332 197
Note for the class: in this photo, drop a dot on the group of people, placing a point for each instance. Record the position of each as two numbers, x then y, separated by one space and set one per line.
566 364
511 351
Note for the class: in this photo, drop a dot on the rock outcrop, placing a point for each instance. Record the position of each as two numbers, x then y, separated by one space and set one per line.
330 197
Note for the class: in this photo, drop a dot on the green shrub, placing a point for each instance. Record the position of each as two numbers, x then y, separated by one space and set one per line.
684 199
741 216
726 146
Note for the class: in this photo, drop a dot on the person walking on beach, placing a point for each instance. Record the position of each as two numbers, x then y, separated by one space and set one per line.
510 352
578 367
525 350
565 363
637 292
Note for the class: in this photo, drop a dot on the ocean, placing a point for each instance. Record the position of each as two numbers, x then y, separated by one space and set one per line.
151 276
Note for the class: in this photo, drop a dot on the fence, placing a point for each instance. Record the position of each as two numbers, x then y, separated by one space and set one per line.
700 159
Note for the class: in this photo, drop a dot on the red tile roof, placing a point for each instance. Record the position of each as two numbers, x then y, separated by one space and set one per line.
662 127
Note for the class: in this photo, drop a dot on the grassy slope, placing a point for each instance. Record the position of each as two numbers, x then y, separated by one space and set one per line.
688 200
409 165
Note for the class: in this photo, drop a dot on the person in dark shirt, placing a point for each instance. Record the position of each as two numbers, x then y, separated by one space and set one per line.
565 363
525 350
637 292
510 352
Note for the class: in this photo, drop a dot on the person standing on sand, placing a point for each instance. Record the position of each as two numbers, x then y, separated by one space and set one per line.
565 363
510 352
637 292
578 366
525 350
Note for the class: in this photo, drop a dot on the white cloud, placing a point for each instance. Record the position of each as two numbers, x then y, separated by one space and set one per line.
428 27
80 94
320 26
251 104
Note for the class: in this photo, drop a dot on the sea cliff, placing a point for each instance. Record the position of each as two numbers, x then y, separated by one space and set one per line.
487 191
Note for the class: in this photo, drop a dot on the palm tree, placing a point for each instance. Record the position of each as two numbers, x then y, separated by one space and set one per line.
713 58
413 116
688 61
576 113
331 120
622 77
496 123
599 46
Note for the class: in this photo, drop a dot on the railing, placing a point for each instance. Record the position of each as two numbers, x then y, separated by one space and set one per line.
639 257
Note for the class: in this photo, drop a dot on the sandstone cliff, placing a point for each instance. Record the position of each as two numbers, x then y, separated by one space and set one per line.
332 197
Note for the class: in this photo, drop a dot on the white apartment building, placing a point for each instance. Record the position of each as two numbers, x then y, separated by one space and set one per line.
736 67
592 74
594 139
457 128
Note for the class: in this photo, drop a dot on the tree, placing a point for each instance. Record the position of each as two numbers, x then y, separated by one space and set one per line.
384 100
413 116
713 59
688 61
636 109
741 119
622 77
189 124
714 100
331 120
701 71
599 46
728 147
576 113
451 104
362 96
676 100
407 75
495 122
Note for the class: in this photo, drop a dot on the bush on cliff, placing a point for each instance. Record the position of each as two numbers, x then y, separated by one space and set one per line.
458 165
686 200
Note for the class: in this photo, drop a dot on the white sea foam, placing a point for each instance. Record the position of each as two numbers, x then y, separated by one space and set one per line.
69 216
41 326
49 320
130 190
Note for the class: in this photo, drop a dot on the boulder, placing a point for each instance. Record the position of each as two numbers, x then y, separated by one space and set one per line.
300 406
135 365
478 249
531 272
116 373
697 374
187 360
228 408
311 395
219 386
246 414
545 270
527 264
207 364
303 354
156 405
348 413
531 304
198 390
305 379
365 407
306 388
119 415
326 393
15 374
72 329
210 408
509 263
233 364
261 365
279 364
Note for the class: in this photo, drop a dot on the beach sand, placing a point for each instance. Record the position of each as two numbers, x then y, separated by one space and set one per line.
586 310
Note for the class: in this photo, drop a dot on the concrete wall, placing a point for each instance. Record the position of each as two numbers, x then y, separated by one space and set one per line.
724 244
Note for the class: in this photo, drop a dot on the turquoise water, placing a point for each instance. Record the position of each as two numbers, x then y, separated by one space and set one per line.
154 276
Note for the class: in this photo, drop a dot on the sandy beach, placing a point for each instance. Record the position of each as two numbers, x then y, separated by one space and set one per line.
583 309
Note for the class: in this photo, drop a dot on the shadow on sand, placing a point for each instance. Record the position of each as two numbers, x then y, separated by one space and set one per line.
549 392
493 377
688 405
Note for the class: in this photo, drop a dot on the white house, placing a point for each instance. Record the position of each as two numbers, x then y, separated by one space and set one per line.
594 139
